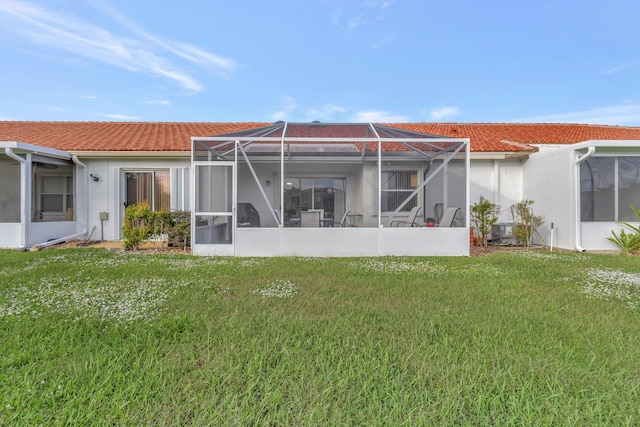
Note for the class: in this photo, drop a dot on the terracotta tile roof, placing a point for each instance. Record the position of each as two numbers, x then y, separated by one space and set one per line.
514 137
175 136
114 136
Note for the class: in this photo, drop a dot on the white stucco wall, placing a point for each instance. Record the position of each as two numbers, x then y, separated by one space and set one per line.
500 181
550 181
107 194
550 184
343 242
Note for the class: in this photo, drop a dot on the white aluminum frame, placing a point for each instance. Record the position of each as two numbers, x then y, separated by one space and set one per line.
326 242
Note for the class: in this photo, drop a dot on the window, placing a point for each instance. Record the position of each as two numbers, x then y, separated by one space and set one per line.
397 186
608 187
55 198
302 194
151 186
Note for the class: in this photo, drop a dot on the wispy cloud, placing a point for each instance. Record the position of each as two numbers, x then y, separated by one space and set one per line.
615 70
622 114
324 113
56 109
356 21
284 113
378 4
444 112
291 111
377 116
122 117
280 115
186 51
161 102
385 41
357 13
139 51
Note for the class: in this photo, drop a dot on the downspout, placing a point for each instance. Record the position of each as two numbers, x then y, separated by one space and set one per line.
86 213
23 196
585 156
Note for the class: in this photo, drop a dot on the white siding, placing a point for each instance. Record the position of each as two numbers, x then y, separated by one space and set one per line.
106 195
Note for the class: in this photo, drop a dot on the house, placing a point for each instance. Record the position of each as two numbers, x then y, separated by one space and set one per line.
65 180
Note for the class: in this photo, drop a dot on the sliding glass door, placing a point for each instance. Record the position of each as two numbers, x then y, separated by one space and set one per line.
326 195
150 186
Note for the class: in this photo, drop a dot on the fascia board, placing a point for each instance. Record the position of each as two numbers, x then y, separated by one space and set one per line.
132 154
187 154
22 147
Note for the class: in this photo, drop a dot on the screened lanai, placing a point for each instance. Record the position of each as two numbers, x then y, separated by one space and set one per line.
329 189
40 190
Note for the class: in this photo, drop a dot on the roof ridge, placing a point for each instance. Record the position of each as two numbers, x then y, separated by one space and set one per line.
67 122
260 122
516 124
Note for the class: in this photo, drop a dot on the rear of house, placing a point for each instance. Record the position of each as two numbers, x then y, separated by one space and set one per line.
60 181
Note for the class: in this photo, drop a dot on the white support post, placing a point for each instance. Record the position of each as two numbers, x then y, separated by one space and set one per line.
257 180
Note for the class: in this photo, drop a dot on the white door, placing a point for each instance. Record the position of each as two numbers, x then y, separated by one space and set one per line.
213 230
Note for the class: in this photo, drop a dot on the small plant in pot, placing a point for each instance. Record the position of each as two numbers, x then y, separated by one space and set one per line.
484 214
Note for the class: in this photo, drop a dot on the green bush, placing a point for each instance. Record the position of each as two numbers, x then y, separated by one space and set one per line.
137 225
483 215
141 224
179 229
627 242
526 222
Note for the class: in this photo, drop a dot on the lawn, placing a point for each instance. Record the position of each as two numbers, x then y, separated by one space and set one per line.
92 337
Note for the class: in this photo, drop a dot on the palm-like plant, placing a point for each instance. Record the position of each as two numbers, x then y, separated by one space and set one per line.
627 242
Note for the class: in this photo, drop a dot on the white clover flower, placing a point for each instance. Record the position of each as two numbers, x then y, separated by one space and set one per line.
277 289
612 285
124 300
396 266
540 255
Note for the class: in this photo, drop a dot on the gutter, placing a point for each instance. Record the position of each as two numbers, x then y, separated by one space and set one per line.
120 154
84 232
585 156
23 216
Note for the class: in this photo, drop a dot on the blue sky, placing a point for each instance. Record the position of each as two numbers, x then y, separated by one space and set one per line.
328 60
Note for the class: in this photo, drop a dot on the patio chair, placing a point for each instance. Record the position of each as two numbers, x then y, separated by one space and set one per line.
448 217
343 221
411 219
248 215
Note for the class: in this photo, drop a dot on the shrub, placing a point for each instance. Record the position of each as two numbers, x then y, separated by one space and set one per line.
526 222
179 228
141 224
627 242
483 215
137 225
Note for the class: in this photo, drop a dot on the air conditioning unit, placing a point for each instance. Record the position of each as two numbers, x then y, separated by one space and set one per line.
502 233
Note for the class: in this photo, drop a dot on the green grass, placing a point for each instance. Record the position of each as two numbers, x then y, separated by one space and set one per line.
91 337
